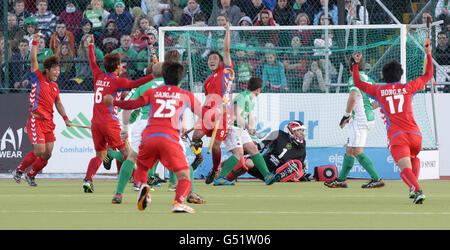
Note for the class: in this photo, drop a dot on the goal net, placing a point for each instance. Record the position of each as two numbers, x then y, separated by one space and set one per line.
305 72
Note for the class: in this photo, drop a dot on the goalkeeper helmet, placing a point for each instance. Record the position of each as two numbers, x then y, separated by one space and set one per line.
296 131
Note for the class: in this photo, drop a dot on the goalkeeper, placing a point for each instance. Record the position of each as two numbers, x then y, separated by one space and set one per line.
361 119
286 153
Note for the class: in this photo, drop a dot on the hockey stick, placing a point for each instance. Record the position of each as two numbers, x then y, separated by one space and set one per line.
229 82
78 126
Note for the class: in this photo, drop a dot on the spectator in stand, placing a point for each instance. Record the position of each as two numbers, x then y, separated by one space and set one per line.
20 12
332 11
306 36
61 34
270 4
251 9
72 17
228 8
442 10
30 6
243 68
313 82
274 77
146 24
110 39
2 61
265 18
67 69
159 12
361 15
442 54
125 48
15 33
123 18
283 13
30 27
150 40
42 52
192 9
20 69
45 19
295 64
247 36
303 6
83 74
98 16
86 28
138 39
176 10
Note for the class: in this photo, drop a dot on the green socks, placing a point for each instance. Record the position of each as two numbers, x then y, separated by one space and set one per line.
124 175
260 164
228 165
367 164
115 154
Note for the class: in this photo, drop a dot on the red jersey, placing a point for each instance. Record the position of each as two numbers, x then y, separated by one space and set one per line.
167 104
395 100
108 83
43 95
216 86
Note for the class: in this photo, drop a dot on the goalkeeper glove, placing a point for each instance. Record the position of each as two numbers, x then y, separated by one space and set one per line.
344 119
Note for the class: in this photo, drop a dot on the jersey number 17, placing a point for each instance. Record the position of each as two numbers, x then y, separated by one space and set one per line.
390 100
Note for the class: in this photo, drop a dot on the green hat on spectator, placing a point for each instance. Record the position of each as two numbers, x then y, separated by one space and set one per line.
119 2
30 21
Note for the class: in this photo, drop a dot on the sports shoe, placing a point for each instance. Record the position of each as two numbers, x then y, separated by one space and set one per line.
411 193
17 175
155 181
197 162
222 181
144 197
374 184
210 177
135 187
195 198
117 199
271 178
107 162
336 184
178 207
419 197
172 186
88 186
30 180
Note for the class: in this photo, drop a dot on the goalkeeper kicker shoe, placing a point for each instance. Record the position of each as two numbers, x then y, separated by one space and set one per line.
271 178
17 175
181 208
374 184
88 186
144 197
195 198
336 183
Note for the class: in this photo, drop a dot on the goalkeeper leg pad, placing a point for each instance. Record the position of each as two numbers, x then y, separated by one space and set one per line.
238 170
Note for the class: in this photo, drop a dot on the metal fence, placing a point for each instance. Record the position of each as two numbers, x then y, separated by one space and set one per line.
125 26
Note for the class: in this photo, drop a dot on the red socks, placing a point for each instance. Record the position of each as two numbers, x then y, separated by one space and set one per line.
415 162
140 176
37 166
94 164
27 161
216 157
410 179
183 189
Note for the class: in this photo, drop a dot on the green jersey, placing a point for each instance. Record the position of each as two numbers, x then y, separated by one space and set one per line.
139 91
246 101
363 110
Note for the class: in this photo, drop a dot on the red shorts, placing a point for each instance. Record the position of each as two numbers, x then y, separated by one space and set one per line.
207 123
168 151
40 131
405 145
106 136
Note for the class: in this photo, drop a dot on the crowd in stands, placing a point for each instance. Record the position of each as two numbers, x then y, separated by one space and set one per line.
130 27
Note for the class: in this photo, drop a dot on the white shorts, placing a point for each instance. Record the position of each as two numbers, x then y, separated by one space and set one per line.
357 136
236 138
136 134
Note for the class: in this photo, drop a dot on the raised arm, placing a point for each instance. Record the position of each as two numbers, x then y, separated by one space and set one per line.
363 86
92 60
420 82
226 46
139 82
33 53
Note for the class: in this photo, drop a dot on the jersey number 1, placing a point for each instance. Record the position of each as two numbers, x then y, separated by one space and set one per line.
390 99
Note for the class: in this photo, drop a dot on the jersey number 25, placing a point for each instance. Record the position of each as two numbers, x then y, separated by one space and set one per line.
165 105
